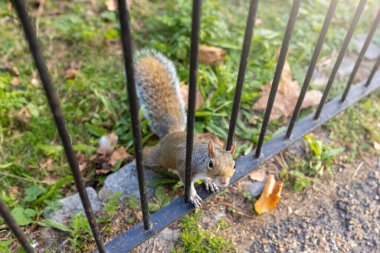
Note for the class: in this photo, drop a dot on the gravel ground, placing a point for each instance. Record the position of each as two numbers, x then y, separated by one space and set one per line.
347 222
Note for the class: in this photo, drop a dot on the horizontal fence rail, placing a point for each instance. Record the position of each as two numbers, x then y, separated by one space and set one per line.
153 223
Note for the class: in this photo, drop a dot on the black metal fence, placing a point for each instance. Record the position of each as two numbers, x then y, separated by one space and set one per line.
152 224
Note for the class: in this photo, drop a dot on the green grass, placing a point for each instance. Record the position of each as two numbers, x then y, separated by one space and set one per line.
84 36
195 239
358 128
351 134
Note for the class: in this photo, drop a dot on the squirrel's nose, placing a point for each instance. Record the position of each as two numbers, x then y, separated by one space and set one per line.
224 181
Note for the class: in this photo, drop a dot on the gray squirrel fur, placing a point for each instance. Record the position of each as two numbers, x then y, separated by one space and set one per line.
166 121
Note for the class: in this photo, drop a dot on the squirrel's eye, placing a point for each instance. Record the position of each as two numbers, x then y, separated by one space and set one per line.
210 164
234 166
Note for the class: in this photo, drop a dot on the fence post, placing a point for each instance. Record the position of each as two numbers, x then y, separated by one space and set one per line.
126 40
4 212
373 71
313 63
193 73
242 69
277 75
361 56
342 52
58 118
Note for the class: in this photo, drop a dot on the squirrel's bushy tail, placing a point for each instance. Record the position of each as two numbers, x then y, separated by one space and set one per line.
158 91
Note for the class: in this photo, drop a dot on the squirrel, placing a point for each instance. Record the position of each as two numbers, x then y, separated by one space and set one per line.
158 92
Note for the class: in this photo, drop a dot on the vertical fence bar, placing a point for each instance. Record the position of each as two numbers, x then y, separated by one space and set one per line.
347 40
277 75
4 212
373 71
196 19
361 56
58 117
313 63
242 69
126 40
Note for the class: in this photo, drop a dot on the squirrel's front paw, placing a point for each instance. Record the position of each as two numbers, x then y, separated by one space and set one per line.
210 186
196 200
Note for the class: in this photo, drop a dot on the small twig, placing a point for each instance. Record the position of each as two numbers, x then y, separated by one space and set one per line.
231 227
357 169
282 162
296 212
38 16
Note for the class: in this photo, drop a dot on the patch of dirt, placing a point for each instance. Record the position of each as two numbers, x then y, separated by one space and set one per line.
339 215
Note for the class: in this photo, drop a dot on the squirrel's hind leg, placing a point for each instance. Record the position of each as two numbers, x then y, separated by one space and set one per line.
151 157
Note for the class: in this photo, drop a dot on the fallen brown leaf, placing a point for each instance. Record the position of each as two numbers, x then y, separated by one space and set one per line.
119 155
102 171
312 97
23 116
211 136
270 196
258 175
254 119
211 55
184 90
49 180
287 96
71 73
47 164
82 162
83 167
138 215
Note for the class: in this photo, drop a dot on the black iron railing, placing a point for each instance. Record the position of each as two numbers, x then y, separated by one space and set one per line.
152 224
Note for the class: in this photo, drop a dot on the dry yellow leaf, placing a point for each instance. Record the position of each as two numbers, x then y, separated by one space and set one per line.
270 196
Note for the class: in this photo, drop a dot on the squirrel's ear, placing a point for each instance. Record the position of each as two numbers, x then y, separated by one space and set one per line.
211 148
233 148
